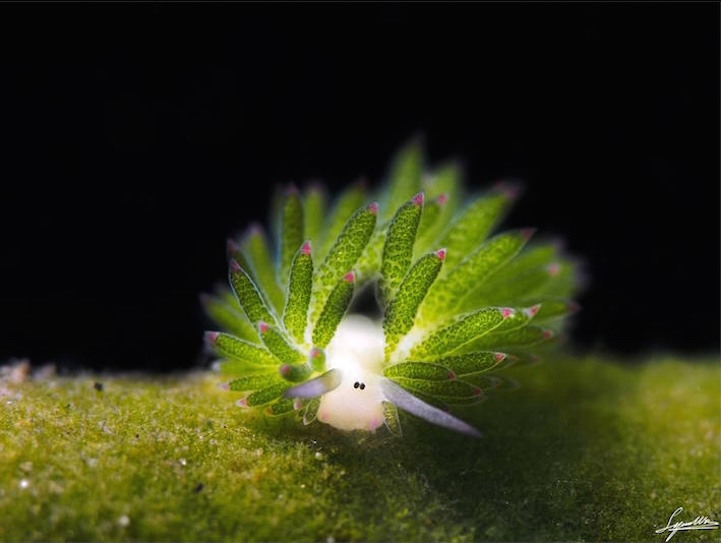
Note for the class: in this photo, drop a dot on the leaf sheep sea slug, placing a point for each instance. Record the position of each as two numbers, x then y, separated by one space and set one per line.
457 302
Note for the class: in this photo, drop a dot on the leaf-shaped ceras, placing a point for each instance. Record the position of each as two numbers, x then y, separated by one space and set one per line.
457 302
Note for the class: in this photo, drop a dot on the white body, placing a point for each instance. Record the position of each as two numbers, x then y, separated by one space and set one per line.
353 390
356 351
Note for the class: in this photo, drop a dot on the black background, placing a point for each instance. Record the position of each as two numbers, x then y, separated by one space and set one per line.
137 137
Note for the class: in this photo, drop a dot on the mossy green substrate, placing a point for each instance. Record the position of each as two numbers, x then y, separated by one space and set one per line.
585 449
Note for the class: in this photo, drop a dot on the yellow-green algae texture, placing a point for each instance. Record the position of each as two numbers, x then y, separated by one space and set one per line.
586 448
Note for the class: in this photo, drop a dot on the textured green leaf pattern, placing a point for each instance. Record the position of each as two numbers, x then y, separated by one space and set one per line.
418 370
311 410
515 318
557 278
240 349
342 256
472 225
228 317
488 382
451 318
446 390
369 263
248 295
526 336
430 218
333 312
461 331
291 232
534 255
442 190
555 308
278 345
450 290
253 382
229 297
295 372
517 289
262 269
398 247
475 362
445 180
234 252
314 212
400 313
316 359
295 314
564 280
404 177
265 395
347 203
233 367
281 407
391 419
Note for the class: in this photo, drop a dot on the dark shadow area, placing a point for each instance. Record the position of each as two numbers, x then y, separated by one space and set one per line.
135 145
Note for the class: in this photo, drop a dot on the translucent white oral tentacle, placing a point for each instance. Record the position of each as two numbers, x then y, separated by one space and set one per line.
318 386
408 402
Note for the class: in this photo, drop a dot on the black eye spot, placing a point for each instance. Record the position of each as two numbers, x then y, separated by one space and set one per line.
356 384
362 386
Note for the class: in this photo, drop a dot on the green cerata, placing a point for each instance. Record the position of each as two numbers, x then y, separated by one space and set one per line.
456 301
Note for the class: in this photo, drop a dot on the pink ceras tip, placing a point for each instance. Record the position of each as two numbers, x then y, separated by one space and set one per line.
234 265
533 310
373 208
554 268
263 327
441 253
527 233
500 357
509 190
442 199
506 312
418 199
305 248
547 334
211 337
285 369
350 277
231 246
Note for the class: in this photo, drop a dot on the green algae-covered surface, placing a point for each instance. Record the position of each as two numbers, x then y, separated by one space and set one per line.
585 449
